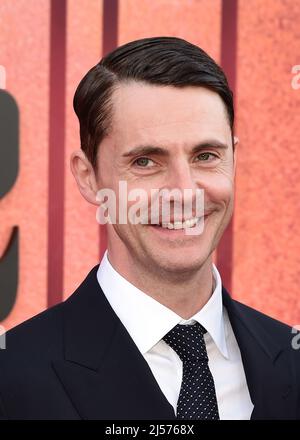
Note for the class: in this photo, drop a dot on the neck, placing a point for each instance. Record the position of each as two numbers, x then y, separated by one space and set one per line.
183 293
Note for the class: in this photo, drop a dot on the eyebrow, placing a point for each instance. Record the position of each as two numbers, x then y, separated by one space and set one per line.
145 150
209 144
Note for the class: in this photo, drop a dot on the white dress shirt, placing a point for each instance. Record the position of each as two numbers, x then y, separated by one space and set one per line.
148 321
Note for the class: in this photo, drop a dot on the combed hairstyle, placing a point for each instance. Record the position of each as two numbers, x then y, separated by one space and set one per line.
166 61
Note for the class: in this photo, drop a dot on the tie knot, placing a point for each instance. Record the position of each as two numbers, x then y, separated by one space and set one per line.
188 342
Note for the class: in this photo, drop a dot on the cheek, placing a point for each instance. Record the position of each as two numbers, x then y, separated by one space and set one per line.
132 204
219 189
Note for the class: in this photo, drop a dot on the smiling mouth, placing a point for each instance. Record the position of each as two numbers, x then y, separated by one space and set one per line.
190 223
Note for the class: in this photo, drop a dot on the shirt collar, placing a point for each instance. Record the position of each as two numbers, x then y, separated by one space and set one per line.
148 321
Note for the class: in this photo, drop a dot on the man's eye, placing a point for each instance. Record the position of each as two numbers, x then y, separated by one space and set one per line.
204 157
143 162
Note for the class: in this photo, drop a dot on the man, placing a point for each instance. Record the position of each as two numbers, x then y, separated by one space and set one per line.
151 333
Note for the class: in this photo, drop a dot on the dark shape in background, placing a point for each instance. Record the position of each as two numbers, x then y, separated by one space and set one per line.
229 65
56 171
9 142
9 167
9 266
109 43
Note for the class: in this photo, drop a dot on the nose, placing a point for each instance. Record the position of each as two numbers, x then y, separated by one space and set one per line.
181 176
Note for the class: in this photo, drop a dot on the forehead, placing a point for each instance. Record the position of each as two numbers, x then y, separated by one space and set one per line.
143 112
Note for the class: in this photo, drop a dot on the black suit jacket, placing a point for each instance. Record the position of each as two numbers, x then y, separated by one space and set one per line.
77 361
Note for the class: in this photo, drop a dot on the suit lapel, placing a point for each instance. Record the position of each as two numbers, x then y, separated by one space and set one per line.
266 363
103 372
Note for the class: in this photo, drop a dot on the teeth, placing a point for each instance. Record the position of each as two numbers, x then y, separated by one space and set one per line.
189 223
181 225
178 225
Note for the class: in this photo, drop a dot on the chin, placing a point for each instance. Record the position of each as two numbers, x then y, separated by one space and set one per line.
183 261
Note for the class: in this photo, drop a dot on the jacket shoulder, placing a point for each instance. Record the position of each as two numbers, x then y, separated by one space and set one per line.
34 338
280 332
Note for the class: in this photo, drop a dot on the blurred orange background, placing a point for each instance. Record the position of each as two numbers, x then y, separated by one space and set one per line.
47 46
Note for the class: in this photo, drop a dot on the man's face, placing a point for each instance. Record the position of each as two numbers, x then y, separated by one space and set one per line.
190 142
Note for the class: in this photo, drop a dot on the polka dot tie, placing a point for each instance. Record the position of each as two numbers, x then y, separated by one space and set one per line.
197 399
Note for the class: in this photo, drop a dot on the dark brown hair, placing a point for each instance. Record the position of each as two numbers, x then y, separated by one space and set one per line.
159 60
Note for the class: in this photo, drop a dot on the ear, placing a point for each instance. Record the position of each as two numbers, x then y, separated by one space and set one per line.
235 144
84 175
